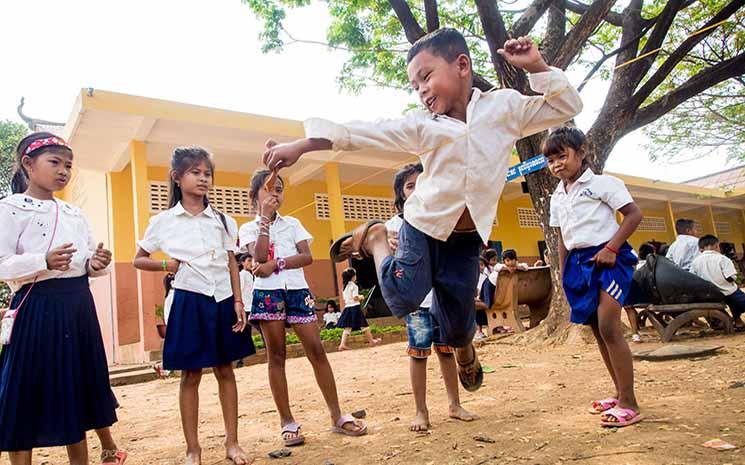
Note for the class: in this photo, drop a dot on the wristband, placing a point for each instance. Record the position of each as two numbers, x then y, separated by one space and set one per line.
281 265
165 265
615 251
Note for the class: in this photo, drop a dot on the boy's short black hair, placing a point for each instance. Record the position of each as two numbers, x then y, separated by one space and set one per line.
708 240
509 254
445 42
684 225
645 250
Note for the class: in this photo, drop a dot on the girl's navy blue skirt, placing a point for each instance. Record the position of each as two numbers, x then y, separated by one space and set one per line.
352 317
200 333
583 281
54 378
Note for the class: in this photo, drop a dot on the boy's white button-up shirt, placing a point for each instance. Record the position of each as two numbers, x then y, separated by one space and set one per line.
25 235
683 251
715 268
395 224
200 242
465 164
587 213
284 234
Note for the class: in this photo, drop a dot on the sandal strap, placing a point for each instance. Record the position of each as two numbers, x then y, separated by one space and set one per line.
293 428
344 419
620 413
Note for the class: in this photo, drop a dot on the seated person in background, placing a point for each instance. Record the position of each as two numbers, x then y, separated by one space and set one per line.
685 248
509 263
718 269
492 258
481 319
635 294
331 315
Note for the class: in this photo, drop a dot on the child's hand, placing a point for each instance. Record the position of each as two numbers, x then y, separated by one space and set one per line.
263 270
172 266
523 53
278 156
100 259
60 257
240 315
269 206
605 258
393 240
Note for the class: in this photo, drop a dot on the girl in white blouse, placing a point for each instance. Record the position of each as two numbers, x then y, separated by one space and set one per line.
352 318
47 254
280 246
207 319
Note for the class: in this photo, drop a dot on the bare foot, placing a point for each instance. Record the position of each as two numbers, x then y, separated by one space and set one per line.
343 348
236 455
421 422
193 458
374 342
459 413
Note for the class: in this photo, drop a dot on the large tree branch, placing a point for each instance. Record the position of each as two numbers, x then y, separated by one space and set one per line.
496 36
611 17
656 38
581 31
430 12
555 30
529 18
412 29
676 56
705 79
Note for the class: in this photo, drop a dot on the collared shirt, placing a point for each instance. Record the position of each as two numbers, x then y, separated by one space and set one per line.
683 251
200 242
247 289
587 213
499 267
27 228
395 224
350 294
715 268
285 233
465 164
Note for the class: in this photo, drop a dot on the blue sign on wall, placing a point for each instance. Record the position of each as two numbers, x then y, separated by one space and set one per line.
530 165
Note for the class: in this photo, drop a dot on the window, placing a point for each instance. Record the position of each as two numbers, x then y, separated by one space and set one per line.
723 227
653 224
232 201
528 218
357 208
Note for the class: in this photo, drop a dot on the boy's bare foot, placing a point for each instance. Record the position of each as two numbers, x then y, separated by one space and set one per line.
193 458
421 422
459 413
236 454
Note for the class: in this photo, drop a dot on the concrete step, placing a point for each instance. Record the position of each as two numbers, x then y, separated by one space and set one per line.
119 369
133 377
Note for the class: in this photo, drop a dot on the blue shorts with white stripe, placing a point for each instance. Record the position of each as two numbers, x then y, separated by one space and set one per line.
583 280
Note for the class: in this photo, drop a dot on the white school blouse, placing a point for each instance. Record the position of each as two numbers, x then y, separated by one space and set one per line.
465 163
395 224
284 234
351 290
587 213
200 242
27 225
683 251
247 289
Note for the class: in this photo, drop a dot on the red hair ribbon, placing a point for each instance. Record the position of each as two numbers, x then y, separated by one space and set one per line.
46 142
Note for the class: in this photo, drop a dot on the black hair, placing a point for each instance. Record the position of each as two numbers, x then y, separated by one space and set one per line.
484 261
19 180
185 158
708 240
563 138
347 275
257 182
509 254
399 181
645 250
684 225
663 250
333 304
168 282
489 254
445 42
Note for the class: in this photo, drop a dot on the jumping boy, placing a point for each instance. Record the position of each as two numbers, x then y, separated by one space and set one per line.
464 141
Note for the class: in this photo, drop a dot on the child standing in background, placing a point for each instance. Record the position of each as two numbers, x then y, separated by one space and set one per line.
352 317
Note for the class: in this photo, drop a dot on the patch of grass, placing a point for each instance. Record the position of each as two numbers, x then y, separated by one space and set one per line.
329 335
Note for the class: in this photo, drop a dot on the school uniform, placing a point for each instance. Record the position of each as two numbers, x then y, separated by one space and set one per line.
284 295
465 166
717 269
54 378
683 251
200 333
587 218
247 289
352 316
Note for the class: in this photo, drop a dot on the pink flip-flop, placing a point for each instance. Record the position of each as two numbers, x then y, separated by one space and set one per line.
346 419
108 454
623 416
292 428
600 406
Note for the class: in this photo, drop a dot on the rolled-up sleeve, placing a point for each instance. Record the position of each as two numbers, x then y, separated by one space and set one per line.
558 103
392 135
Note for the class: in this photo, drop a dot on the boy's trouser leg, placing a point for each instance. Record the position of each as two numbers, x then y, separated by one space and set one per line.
736 303
406 277
456 275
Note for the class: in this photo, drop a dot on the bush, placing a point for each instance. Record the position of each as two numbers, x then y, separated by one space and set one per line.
328 335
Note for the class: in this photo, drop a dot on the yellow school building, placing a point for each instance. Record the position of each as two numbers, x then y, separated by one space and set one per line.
123 145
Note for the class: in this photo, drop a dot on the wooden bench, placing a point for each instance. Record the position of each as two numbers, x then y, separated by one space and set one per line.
531 287
668 319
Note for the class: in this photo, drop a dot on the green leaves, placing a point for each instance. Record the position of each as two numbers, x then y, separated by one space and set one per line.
10 134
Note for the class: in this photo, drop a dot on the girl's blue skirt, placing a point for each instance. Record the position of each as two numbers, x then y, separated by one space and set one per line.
54 377
200 333
583 281
352 317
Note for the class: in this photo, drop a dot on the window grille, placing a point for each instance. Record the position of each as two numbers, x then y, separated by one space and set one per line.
528 218
232 201
653 224
357 208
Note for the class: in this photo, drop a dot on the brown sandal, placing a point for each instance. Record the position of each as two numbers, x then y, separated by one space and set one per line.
350 245
470 373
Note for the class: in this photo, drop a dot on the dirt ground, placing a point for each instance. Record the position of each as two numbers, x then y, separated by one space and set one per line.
534 408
